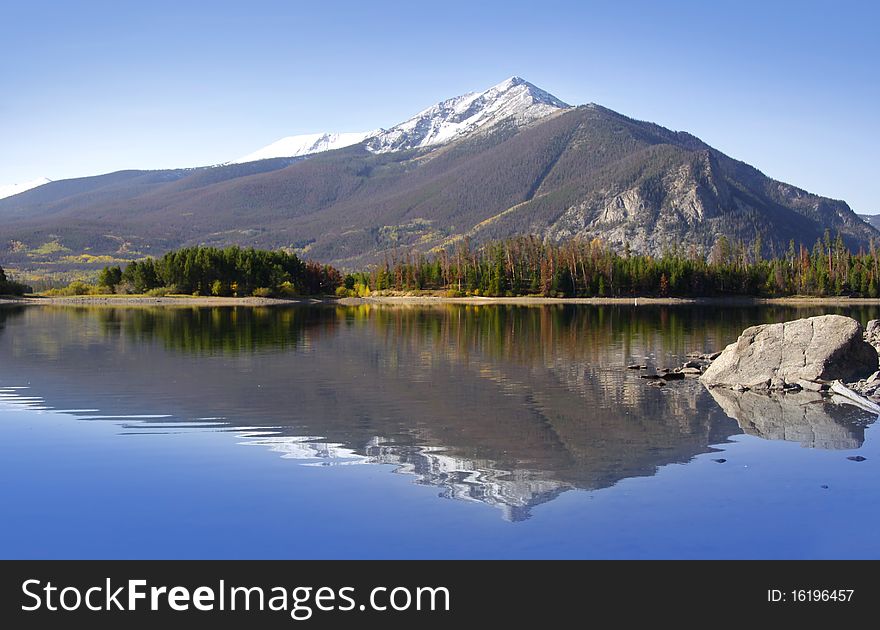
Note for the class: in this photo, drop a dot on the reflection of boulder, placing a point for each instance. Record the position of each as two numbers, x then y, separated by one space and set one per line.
803 417
827 347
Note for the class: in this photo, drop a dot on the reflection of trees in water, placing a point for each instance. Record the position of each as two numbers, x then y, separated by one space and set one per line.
560 372
526 333
9 311
529 401
585 347
504 405
217 329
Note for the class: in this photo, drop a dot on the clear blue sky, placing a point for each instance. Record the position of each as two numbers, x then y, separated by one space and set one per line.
92 87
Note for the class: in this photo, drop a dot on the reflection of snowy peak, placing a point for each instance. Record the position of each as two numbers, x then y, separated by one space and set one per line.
295 146
514 99
514 492
8 190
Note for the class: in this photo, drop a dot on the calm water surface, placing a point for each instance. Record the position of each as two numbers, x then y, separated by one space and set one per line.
428 432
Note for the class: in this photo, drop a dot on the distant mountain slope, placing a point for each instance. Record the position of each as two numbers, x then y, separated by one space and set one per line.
871 219
308 144
583 172
7 190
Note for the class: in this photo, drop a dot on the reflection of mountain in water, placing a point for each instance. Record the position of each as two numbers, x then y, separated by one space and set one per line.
803 417
508 406
512 491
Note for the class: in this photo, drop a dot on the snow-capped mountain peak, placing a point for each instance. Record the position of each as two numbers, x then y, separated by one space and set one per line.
7 190
306 144
513 99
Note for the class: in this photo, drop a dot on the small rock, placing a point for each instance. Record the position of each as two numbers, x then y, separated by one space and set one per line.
690 370
650 376
714 356
874 377
856 458
792 387
720 460
672 376
664 370
692 364
657 383
634 366
811 386
693 355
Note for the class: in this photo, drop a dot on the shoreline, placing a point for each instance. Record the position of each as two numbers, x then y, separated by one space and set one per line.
97 300
141 300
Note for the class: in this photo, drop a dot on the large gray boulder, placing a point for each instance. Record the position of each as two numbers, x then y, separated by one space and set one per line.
816 348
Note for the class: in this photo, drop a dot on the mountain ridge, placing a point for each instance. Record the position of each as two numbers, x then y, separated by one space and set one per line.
440 123
573 172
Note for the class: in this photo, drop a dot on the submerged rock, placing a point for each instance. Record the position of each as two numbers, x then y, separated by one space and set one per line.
672 376
827 347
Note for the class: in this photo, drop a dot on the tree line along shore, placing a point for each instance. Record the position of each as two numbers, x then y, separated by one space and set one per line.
517 267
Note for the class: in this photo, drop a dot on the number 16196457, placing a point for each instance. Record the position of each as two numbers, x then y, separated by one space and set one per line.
810 595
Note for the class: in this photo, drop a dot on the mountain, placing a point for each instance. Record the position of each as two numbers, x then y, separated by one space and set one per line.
507 161
307 144
8 190
871 219
514 100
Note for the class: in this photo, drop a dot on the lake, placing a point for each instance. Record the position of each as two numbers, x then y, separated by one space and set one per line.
378 431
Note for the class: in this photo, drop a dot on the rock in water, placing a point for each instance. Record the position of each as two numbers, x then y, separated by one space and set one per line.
672 376
816 348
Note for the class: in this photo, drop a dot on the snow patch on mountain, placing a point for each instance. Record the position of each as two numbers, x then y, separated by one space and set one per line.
514 99
8 190
306 144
